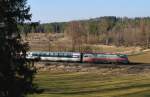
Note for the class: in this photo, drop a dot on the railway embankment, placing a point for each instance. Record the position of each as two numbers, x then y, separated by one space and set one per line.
114 69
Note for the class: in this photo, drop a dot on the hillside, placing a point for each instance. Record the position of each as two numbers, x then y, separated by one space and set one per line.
53 42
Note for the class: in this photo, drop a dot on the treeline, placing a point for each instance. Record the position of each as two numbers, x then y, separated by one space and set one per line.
36 27
108 30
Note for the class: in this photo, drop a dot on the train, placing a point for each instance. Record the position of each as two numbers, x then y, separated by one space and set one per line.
84 57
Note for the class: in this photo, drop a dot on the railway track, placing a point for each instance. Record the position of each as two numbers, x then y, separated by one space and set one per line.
102 65
132 68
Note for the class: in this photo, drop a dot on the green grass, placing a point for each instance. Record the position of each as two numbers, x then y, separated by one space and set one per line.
92 84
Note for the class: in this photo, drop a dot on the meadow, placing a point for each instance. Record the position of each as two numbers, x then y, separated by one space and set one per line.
109 83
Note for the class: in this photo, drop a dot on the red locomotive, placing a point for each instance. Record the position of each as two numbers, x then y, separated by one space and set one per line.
104 58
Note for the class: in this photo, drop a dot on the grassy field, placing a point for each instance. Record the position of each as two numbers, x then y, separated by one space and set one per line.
141 58
92 84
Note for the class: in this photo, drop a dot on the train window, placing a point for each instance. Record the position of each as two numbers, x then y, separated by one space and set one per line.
111 56
44 54
60 54
65 54
51 54
87 55
56 54
47 54
68 55
75 56
40 54
34 54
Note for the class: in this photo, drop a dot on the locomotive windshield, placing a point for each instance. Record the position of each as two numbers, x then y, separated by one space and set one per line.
122 56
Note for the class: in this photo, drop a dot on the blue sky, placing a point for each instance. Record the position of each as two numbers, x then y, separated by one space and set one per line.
66 10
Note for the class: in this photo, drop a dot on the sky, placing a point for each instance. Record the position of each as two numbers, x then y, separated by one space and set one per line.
47 11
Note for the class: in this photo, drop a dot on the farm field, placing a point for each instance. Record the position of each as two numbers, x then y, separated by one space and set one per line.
109 83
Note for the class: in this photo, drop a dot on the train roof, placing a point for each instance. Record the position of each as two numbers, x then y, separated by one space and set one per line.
49 52
78 52
103 53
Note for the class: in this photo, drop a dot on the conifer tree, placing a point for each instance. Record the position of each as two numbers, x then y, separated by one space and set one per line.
15 73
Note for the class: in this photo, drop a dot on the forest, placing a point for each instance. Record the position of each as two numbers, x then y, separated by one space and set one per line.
108 30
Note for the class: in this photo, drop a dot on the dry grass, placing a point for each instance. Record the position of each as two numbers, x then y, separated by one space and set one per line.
141 58
92 84
59 42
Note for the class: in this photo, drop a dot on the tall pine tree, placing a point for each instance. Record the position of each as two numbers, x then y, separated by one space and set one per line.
15 73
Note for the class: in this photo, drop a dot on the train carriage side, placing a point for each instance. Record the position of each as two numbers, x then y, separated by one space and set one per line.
60 56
